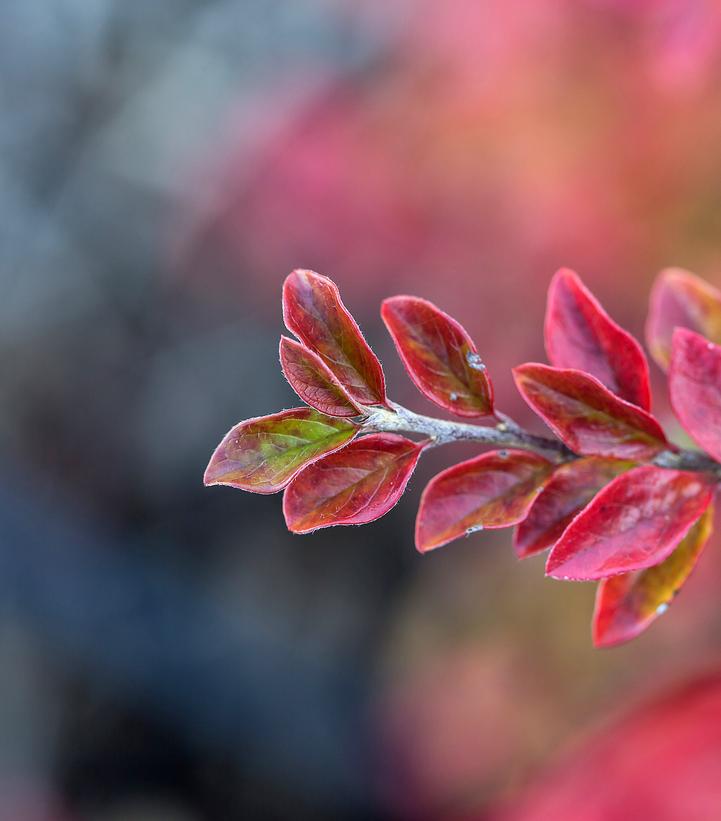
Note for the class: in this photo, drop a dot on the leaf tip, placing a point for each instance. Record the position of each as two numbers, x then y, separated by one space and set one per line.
210 475
424 547
422 542
564 280
521 374
208 479
388 303
291 278
562 568
520 550
291 521
564 274
551 569
602 641
417 539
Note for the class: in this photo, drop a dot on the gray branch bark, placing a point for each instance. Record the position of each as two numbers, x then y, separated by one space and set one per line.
507 434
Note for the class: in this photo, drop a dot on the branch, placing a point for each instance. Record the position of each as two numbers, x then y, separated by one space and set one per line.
688 460
506 433
441 431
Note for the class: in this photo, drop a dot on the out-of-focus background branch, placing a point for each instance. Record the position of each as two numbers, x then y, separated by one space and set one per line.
170 652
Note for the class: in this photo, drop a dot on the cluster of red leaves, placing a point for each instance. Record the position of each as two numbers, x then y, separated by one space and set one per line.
331 475
607 514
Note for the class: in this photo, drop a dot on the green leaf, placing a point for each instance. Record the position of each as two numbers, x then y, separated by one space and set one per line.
263 454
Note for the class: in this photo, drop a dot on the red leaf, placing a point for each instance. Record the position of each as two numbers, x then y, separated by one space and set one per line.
586 416
357 485
581 335
263 454
312 380
439 356
694 383
564 495
681 299
314 312
626 605
495 489
634 522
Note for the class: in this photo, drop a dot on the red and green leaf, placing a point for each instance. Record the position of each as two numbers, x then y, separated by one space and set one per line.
694 382
313 381
563 497
680 299
586 416
495 489
439 355
263 454
354 486
627 604
636 521
314 312
581 335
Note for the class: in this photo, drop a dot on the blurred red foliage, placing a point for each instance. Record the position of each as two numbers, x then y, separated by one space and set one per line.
662 761
487 144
